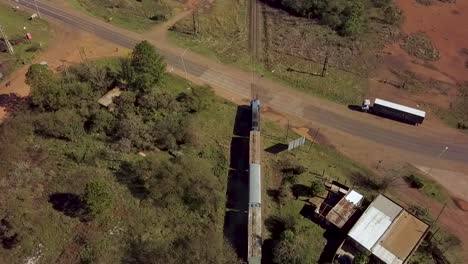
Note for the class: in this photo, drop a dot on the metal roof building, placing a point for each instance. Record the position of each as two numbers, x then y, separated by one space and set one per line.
345 208
388 231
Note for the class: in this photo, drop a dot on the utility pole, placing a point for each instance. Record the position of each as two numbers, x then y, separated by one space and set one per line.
37 9
325 66
195 21
7 42
438 157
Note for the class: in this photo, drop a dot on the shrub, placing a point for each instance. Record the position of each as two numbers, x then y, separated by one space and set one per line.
316 188
415 181
98 197
361 258
63 124
420 46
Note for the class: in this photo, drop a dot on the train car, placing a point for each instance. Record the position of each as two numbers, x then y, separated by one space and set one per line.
255 107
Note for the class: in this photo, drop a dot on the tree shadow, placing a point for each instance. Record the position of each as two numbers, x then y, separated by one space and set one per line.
277 148
273 194
68 203
335 237
8 237
236 216
126 176
12 102
299 190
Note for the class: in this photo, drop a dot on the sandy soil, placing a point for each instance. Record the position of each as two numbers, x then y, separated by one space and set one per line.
64 49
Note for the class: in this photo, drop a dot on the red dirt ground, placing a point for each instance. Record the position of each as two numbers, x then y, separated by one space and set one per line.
445 24
57 55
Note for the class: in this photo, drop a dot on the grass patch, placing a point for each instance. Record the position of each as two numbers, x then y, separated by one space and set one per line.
420 46
424 184
294 48
137 16
14 22
456 115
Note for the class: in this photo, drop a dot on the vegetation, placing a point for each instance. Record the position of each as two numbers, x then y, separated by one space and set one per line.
361 259
316 188
345 16
414 181
420 46
294 48
16 24
137 15
73 186
97 197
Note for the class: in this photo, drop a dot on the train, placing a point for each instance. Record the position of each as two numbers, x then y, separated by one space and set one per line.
254 254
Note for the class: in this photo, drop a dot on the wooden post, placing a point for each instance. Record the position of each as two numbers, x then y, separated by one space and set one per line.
287 131
325 66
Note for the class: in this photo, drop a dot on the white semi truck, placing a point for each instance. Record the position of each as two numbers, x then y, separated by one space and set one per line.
394 111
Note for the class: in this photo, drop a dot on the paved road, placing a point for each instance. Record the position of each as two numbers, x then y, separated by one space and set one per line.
284 99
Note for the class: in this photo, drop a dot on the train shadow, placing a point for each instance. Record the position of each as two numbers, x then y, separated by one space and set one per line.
236 216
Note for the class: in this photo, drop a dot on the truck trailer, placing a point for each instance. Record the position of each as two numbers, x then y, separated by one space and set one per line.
394 111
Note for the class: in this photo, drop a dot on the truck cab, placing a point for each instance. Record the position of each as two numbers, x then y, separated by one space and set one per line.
366 105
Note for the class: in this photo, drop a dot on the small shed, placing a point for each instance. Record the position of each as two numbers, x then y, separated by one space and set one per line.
107 99
345 208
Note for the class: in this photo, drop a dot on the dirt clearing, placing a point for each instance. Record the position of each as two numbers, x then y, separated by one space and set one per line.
64 49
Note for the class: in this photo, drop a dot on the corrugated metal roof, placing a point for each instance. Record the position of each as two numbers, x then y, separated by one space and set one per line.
370 227
255 185
107 99
386 206
354 197
385 255
400 107
344 209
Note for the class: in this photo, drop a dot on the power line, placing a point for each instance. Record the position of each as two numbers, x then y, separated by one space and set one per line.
7 42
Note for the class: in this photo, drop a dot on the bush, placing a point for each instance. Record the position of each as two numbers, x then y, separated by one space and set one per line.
147 68
361 258
97 197
345 16
63 124
415 181
316 188
420 46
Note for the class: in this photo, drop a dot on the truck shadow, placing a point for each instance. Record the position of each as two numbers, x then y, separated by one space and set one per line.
355 108
236 216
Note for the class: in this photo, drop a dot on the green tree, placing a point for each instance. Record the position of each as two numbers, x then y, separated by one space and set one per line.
288 250
39 75
354 18
64 124
147 68
316 188
46 93
98 197
361 258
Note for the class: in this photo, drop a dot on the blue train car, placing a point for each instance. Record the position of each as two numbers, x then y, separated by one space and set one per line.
255 106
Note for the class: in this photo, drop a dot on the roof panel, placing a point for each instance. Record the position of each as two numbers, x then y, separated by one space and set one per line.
370 227
255 185
400 107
